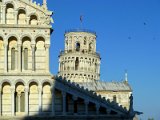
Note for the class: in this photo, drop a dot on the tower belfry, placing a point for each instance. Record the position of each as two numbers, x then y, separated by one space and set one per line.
80 62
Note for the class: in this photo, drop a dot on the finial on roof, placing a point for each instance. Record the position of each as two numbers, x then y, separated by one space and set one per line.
126 76
45 4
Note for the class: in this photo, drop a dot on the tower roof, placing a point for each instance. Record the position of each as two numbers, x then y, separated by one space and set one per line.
80 30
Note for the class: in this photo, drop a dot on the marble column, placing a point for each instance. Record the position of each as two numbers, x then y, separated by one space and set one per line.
27 20
86 102
75 98
19 102
19 58
64 102
47 57
40 98
3 14
0 101
26 100
13 100
53 101
16 17
5 58
97 108
33 57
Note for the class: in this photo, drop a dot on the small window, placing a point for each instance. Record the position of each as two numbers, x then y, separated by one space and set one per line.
85 40
90 47
114 98
26 58
77 46
13 53
76 63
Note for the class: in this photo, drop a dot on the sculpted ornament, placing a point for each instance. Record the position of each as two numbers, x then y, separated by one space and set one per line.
48 20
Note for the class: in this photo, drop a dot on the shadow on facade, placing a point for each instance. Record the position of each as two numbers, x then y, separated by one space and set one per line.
69 103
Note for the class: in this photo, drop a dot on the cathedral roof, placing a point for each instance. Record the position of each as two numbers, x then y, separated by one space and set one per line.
107 86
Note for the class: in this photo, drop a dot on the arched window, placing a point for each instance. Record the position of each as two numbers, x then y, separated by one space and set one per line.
13 54
90 46
26 58
114 98
33 20
76 63
10 17
85 38
21 17
77 46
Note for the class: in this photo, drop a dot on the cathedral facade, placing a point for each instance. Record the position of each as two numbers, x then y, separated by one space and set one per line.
26 86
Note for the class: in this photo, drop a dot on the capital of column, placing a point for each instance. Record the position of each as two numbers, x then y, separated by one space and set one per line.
75 98
15 12
5 44
39 89
19 94
3 6
33 45
26 89
63 93
19 44
12 89
47 46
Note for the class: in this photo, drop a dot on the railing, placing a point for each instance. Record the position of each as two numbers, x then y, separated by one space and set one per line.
80 30
80 52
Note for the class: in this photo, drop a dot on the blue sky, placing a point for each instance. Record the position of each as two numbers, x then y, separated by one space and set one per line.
128 38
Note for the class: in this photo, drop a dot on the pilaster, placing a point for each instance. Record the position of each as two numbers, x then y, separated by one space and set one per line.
47 46
15 17
40 98
3 14
5 58
33 57
26 100
0 101
64 102
19 58
86 102
97 109
53 101
13 100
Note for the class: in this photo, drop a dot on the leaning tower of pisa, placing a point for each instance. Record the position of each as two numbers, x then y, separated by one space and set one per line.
79 62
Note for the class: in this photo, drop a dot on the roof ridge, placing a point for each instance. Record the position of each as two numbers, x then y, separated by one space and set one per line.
37 6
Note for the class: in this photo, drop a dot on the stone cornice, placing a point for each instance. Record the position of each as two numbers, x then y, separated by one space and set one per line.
26 26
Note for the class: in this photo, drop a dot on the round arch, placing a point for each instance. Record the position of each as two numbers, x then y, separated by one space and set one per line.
12 35
10 2
40 36
33 14
25 35
33 80
21 8
20 81
47 81
5 81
